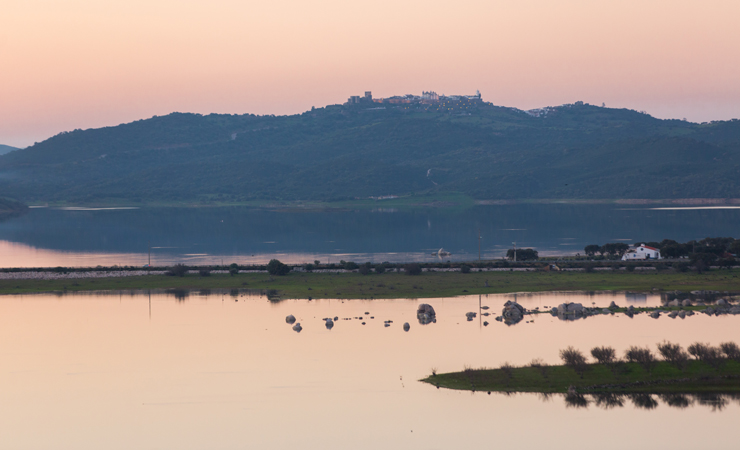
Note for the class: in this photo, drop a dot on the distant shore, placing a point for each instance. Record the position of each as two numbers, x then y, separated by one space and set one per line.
354 285
443 201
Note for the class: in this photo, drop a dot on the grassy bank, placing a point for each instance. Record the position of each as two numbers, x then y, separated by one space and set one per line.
399 285
697 377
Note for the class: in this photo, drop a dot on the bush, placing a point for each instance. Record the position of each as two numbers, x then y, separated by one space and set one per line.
412 269
630 267
365 268
275 267
541 366
574 359
731 350
178 270
642 356
673 354
707 354
350 266
464 268
604 355
589 268
233 270
308 267
699 351
205 272
681 267
380 268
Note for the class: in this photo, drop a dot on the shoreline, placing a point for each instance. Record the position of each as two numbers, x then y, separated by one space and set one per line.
354 285
625 378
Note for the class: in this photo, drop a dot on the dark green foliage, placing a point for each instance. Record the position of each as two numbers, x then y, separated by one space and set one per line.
412 269
522 254
674 354
574 359
604 355
178 270
365 269
380 268
275 267
204 272
233 269
630 267
731 350
642 356
350 265
464 268
308 267
333 153
615 249
592 249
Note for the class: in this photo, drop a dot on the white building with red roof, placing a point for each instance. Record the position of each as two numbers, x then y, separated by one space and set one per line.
641 252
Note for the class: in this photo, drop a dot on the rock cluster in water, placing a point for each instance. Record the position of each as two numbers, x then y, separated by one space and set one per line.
425 314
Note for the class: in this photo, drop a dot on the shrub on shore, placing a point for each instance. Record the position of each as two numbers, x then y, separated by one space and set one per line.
275 267
674 354
412 269
178 270
574 359
642 356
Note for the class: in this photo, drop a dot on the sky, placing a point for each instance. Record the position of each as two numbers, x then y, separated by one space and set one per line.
68 64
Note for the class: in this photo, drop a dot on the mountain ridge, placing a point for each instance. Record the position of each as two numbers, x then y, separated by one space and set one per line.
344 152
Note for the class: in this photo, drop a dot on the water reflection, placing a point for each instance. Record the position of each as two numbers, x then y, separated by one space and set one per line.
643 401
199 236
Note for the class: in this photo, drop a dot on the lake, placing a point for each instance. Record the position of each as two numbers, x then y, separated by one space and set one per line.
84 237
222 371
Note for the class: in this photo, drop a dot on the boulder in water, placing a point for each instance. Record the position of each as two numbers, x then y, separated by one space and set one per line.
674 303
297 327
290 319
686 302
406 326
329 324
513 312
425 314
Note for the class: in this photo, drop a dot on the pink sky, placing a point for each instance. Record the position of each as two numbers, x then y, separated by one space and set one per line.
70 64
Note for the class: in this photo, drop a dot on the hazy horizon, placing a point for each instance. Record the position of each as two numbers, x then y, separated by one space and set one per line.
84 64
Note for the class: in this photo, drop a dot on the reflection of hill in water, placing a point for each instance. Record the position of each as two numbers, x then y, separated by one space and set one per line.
552 229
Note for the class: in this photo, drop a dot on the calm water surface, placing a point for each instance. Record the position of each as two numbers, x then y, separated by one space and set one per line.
81 237
223 371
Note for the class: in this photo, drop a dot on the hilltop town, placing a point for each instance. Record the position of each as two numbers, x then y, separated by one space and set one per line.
429 101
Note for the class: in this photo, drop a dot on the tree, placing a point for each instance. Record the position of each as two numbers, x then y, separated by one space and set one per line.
574 359
412 269
615 248
592 249
275 267
178 270
523 254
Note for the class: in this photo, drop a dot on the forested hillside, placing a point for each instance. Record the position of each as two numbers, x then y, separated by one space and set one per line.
343 152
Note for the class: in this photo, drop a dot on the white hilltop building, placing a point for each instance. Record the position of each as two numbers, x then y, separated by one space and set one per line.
641 252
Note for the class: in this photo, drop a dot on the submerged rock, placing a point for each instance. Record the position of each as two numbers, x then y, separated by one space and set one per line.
406 326
290 319
297 327
655 314
735 310
470 315
682 314
721 302
329 324
673 314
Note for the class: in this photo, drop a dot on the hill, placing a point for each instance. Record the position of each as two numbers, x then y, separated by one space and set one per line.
6 149
576 151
